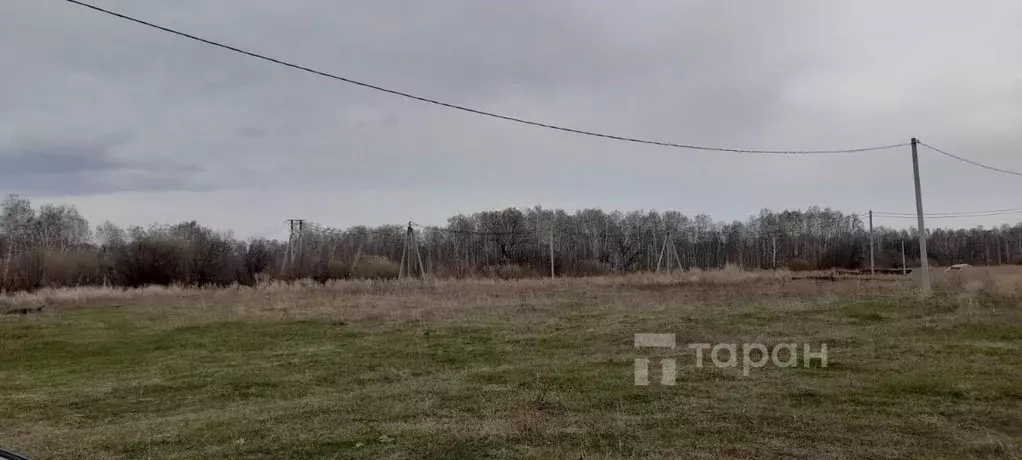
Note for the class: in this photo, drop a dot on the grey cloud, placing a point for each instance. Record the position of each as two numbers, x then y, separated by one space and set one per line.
55 160
779 74
76 169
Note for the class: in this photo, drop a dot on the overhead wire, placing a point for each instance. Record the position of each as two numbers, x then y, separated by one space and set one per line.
937 214
809 226
266 232
472 110
1003 212
574 130
971 162
362 230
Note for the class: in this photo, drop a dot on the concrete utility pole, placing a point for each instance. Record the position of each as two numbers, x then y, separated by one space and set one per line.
552 252
773 241
677 259
904 270
407 261
401 271
662 251
924 260
872 266
418 255
294 242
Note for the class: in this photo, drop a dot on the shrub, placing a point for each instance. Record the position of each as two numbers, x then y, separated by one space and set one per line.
330 270
591 268
375 267
799 265
149 260
444 272
72 268
23 273
258 257
731 267
509 271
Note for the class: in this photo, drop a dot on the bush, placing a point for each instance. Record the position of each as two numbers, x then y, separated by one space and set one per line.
509 272
23 273
799 265
329 270
375 267
149 260
1017 260
73 268
258 257
591 268
732 268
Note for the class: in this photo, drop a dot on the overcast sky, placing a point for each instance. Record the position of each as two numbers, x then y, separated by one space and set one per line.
138 126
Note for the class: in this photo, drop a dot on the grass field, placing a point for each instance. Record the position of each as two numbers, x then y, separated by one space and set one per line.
514 369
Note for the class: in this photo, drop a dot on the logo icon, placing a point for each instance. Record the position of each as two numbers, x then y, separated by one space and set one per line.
668 366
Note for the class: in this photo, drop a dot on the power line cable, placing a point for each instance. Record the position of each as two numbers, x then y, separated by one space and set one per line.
268 231
966 160
948 214
478 111
354 231
521 232
810 226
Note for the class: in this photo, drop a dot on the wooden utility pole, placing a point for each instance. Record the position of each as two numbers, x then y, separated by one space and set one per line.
924 260
872 266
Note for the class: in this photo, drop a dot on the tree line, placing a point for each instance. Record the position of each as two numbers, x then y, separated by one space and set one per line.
55 246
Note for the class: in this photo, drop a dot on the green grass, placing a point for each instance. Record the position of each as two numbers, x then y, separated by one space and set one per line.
510 370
